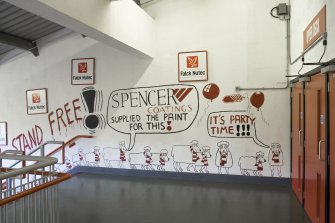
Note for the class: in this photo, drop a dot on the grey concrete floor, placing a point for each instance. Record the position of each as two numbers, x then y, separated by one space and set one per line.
108 199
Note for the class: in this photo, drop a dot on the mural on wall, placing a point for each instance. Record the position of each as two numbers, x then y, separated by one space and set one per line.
152 110
162 110
65 117
252 164
147 160
233 98
115 156
223 159
257 100
276 159
210 91
233 124
79 159
29 140
93 102
191 156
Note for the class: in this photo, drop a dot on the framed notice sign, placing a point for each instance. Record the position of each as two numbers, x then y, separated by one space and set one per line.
315 29
3 134
83 71
37 101
192 66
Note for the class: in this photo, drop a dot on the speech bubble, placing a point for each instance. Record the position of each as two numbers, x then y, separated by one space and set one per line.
233 124
152 110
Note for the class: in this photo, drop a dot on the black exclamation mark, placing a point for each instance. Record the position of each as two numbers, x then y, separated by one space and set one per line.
248 129
238 130
243 128
91 121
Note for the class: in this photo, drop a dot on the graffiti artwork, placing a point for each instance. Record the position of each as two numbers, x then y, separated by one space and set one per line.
252 164
93 102
257 100
233 98
65 116
192 156
152 110
223 159
233 124
147 160
211 91
276 159
29 140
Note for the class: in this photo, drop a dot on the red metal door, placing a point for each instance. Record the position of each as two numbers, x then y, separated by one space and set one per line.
315 128
297 140
332 145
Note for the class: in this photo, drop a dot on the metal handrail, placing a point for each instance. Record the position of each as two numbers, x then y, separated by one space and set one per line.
41 147
41 162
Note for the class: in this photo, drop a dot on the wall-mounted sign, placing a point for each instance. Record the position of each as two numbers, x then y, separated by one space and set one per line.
3 134
83 71
37 101
192 66
315 29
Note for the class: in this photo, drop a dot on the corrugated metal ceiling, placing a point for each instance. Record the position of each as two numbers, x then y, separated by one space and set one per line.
23 24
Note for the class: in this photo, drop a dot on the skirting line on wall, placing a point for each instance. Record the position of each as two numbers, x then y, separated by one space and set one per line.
219 178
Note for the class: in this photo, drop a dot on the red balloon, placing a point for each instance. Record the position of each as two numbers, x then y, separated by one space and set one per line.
257 99
211 91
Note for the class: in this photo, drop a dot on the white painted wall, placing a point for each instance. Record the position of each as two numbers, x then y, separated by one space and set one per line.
302 14
246 47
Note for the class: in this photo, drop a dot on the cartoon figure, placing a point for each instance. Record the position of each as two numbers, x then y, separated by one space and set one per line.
96 152
163 157
122 149
68 164
149 160
194 148
148 157
181 155
276 159
252 163
259 162
79 159
113 155
224 159
205 155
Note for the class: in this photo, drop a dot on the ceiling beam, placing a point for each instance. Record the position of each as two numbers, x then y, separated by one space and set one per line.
138 2
19 42
120 24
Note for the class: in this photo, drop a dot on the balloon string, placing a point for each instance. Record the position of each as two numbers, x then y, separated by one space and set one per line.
264 118
202 117
249 106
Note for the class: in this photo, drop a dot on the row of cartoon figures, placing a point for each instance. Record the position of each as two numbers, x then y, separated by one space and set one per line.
190 156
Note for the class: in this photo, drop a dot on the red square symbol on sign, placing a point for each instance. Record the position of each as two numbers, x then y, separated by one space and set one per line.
192 61
82 68
36 98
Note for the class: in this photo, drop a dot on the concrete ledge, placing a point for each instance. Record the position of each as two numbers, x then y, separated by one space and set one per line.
219 178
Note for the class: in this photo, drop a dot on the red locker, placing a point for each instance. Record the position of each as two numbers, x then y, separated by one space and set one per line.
332 145
297 139
315 148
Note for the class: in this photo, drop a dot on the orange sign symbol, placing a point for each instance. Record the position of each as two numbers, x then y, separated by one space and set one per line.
36 98
192 61
82 68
